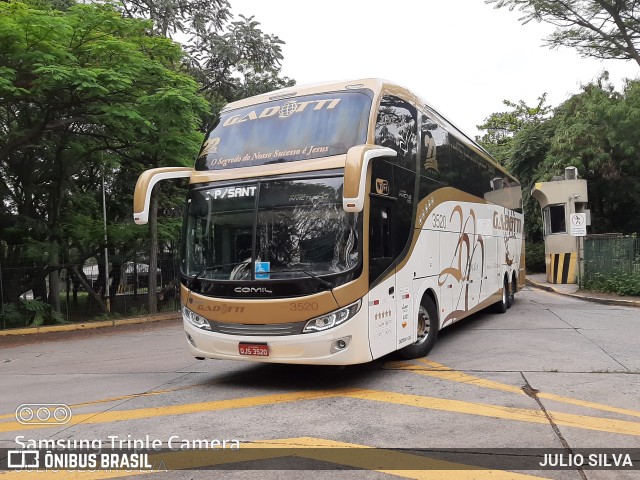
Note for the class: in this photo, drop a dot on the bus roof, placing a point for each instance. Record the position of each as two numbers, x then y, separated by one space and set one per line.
378 86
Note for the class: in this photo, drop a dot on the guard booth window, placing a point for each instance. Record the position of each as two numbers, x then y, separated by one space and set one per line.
554 219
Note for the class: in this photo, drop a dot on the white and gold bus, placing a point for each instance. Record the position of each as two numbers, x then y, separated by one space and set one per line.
335 223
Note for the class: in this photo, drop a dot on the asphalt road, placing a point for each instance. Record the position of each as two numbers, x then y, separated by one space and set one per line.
552 373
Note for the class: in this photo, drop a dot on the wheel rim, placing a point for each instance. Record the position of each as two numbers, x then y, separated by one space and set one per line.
424 325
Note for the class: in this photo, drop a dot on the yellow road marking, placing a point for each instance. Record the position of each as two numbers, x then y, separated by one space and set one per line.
136 414
443 372
115 399
621 427
405 465
432 403
446 373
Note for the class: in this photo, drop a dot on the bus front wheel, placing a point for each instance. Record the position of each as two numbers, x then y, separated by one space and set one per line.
427 330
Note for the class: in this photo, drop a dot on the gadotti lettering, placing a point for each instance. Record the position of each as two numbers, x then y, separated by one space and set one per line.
220 308
507 223
284 111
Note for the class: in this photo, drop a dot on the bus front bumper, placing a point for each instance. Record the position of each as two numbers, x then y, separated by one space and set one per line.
320 348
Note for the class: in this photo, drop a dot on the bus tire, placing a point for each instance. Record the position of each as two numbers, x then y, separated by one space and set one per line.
503 304
513 288
427 330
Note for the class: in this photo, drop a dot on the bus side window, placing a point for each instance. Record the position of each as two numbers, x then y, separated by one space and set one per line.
396 129
380 238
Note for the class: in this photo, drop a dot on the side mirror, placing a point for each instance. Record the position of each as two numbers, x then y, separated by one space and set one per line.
355 174
144 186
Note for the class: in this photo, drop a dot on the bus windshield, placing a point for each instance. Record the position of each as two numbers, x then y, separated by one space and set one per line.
270 230
287 130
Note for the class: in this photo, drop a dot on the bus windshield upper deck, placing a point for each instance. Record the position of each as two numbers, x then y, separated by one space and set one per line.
303 128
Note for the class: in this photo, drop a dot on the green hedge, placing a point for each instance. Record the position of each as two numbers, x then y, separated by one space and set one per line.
620 283
535 257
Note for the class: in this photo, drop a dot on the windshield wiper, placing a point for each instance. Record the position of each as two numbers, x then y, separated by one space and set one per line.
322 281
210 268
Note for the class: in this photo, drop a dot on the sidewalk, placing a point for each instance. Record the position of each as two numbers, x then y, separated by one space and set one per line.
68 327
539 280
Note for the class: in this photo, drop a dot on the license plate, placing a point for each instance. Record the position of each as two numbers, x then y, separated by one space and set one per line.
255 349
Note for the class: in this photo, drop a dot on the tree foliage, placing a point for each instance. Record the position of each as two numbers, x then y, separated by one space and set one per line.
193 18
595 131
83 92
98 91
501 127
230 59
606 29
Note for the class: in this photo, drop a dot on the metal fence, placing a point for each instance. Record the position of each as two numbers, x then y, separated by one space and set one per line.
611 253
33 293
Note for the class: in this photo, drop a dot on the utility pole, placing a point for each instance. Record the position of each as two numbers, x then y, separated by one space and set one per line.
106 248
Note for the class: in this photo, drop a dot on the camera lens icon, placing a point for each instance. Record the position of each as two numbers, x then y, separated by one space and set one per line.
43 414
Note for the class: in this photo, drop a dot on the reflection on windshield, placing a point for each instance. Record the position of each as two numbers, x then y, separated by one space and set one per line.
219 231
300 227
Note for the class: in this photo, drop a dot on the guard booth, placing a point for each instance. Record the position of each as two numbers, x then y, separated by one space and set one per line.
565 218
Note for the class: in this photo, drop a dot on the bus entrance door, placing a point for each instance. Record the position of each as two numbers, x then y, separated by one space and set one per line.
382 296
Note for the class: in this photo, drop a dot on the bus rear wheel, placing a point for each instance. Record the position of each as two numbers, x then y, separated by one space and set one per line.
427 330
513 288
502 305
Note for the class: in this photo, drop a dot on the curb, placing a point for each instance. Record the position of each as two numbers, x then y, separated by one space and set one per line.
91 325
604 301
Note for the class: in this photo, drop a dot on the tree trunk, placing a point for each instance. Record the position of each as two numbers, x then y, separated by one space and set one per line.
116 269
152 297
79 276
76 286
54 279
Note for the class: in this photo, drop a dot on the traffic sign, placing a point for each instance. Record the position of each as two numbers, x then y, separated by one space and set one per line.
578 224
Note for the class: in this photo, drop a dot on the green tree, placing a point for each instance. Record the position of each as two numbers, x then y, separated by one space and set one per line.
195 18
606 29
596 131
229 59
501 127
82 90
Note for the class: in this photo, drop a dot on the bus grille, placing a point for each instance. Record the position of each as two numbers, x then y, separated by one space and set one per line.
248 329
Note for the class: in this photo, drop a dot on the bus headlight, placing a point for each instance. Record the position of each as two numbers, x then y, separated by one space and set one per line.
333 319
194 319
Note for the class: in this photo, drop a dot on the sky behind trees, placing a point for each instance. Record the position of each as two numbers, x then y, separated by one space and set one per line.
462 56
